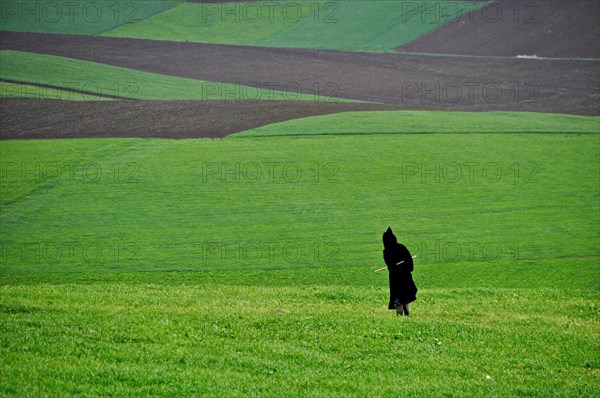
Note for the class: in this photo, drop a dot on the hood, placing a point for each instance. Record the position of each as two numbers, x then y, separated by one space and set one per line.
389 239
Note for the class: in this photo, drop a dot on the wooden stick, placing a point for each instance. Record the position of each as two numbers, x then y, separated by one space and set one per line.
381 269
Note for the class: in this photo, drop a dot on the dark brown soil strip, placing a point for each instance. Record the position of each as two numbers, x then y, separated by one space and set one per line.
31 118
486 84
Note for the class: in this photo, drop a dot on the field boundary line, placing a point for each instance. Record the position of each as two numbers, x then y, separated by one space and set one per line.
68 89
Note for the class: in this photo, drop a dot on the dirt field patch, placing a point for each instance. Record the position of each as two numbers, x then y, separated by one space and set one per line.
546 28
32 118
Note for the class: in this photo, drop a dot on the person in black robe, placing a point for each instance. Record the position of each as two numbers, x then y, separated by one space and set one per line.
400 265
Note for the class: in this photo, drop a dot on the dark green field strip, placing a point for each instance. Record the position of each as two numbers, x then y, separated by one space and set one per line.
88 17
368 25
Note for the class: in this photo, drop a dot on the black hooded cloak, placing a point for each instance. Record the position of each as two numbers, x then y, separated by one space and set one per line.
402 287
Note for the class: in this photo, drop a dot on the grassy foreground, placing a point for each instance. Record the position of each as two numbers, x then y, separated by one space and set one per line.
258 255
182 334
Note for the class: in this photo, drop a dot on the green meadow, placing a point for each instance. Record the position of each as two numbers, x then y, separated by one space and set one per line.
181 334
506 189
244 266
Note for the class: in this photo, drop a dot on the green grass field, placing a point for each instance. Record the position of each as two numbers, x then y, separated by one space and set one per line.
170 334
367 25
133 84
337 190
208 278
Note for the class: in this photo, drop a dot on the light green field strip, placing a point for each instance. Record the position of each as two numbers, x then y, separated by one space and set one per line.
128 83
85 17
15 90
289 202
399 122
233 23
367 25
